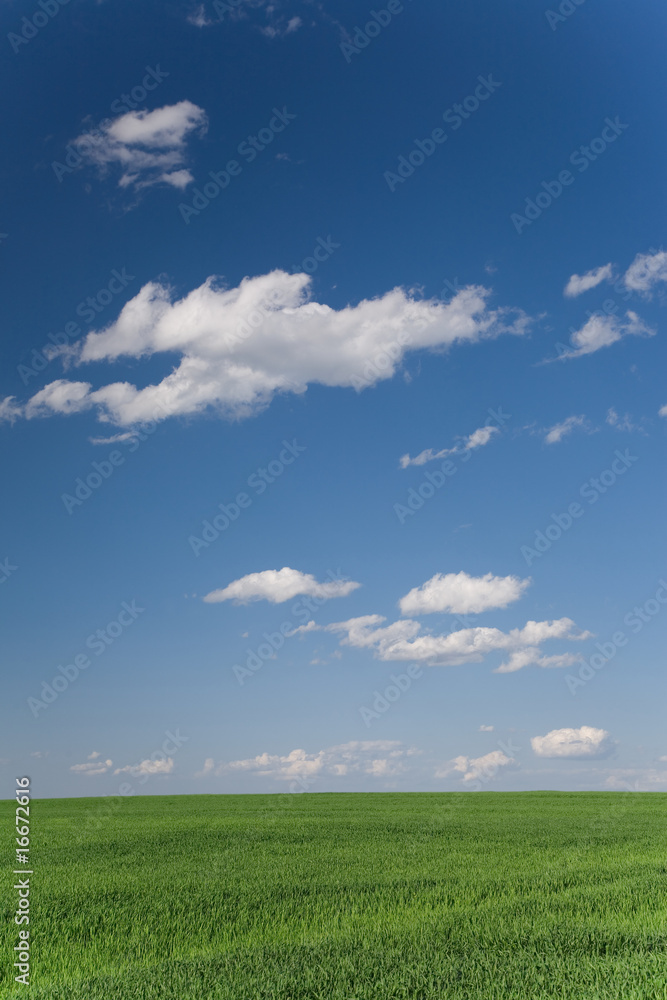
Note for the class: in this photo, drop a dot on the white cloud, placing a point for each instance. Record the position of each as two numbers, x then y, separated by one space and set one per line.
486 729
646 270
583 283
279 585
662 412
477 439
583 742
601 331
460 593
478 768
148 767
279 28
559 431
148 146
624 423
238 347
96 767
94 755
376 758
404 640
199 18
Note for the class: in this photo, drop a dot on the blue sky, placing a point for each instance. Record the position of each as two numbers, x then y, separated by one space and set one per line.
333 397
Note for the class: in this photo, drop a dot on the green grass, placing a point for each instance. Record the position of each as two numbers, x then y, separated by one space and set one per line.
346 897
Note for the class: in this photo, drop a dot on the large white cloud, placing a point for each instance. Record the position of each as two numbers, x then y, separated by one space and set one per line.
405 640
477 439
459 593
646 270
376 758
477 768
580 283
601 331
148 146
240 346
279 585
583 742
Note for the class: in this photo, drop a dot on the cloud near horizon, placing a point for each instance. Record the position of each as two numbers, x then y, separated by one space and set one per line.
477 768
376 758
583 742
239 347
279 585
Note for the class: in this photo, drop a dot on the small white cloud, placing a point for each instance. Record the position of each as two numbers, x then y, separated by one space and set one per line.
148 767
96 767
478 768
40 753
148 146
662 412
583 283
583 742
477 439
94 755
459 593
646 270
486 729
602 331
199 18
559 431
278 586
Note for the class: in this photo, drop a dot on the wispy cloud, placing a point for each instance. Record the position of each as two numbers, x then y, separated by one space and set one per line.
559 431
149 147
375 758
477 439
584 282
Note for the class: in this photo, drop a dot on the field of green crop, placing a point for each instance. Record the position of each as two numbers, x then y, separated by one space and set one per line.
346 897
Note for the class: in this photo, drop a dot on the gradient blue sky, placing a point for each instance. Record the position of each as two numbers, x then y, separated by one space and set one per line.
329 177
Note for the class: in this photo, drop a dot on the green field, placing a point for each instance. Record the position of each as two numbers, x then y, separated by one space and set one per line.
346 897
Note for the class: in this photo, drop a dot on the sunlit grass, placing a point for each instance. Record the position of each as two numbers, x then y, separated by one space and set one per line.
347 897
